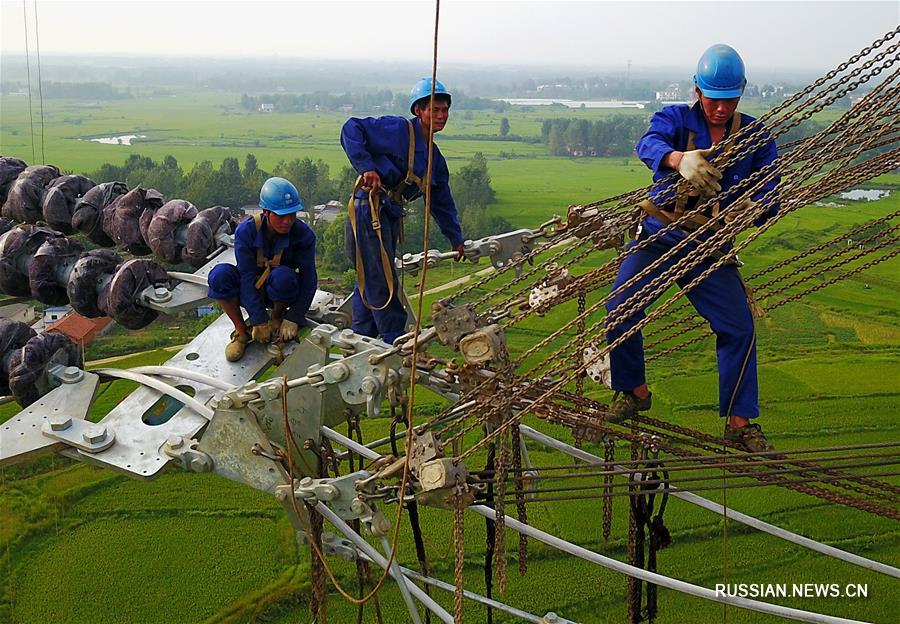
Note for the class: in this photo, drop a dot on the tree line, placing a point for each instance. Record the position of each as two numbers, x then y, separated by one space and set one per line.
611 136
237 185
381 101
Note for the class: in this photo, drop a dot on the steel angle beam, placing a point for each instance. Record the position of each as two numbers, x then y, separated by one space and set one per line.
22 436
138 448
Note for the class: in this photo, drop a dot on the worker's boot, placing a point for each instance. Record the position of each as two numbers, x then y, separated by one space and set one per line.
626 405
234 350
750 437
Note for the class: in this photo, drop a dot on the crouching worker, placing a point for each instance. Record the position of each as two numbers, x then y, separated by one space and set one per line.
276 269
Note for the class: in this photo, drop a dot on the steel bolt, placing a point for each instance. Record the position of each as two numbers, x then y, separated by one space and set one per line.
161 294
306 482
199 464
94 435
60 423
358 507
551 618
370 385
72 374
175 442
226 403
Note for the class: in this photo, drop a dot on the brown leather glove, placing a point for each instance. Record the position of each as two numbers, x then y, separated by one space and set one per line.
261 332
288 330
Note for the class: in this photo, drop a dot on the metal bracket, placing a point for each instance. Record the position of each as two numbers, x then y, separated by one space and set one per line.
187 455
453 322
22 436
548 288
484 345
598 369
339 493
503 249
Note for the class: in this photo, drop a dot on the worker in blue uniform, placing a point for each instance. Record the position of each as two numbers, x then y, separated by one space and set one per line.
391 155
679 139
276 269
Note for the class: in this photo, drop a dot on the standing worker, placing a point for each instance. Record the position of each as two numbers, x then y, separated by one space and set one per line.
391 155
679 139
276 268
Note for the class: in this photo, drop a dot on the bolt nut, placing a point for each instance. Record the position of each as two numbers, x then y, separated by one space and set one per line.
551 618
199 464
306 482
380 524
161 294
175 442
347 333
226 403
71 374
358 507
94 435
369 385
60 423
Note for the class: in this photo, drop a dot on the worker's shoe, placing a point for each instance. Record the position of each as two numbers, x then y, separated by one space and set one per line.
750 437
234 350
626 405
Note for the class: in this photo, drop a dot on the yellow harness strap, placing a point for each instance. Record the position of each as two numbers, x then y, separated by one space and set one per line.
261 260
375 209
396 195
411 179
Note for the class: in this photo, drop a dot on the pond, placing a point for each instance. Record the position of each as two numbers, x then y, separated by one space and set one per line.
865 194
122 139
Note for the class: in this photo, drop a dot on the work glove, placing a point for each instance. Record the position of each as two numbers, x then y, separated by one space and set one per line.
288 330
274 327
738 209
261 332
696 169
459 252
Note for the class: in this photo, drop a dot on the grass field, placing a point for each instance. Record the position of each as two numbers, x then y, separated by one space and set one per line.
79 544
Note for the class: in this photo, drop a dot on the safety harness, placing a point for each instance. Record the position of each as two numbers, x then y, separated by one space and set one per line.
395 195
261 260
686 193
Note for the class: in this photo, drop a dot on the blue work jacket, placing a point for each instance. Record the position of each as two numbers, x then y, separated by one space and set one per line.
382 144
299 246
668 132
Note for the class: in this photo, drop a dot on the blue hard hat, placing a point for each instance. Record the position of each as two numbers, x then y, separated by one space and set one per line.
280 196
720 73
422 89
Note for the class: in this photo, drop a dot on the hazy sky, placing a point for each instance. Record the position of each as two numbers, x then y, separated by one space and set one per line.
801 35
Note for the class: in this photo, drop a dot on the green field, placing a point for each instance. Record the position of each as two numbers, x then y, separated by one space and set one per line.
79 544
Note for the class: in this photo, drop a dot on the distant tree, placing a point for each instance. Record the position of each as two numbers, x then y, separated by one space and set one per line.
331 245
311 177
250 165
504 126
555 142
471 185
199 186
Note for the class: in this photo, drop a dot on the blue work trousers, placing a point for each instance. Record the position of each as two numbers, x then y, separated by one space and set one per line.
390 322
282 285
720 299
